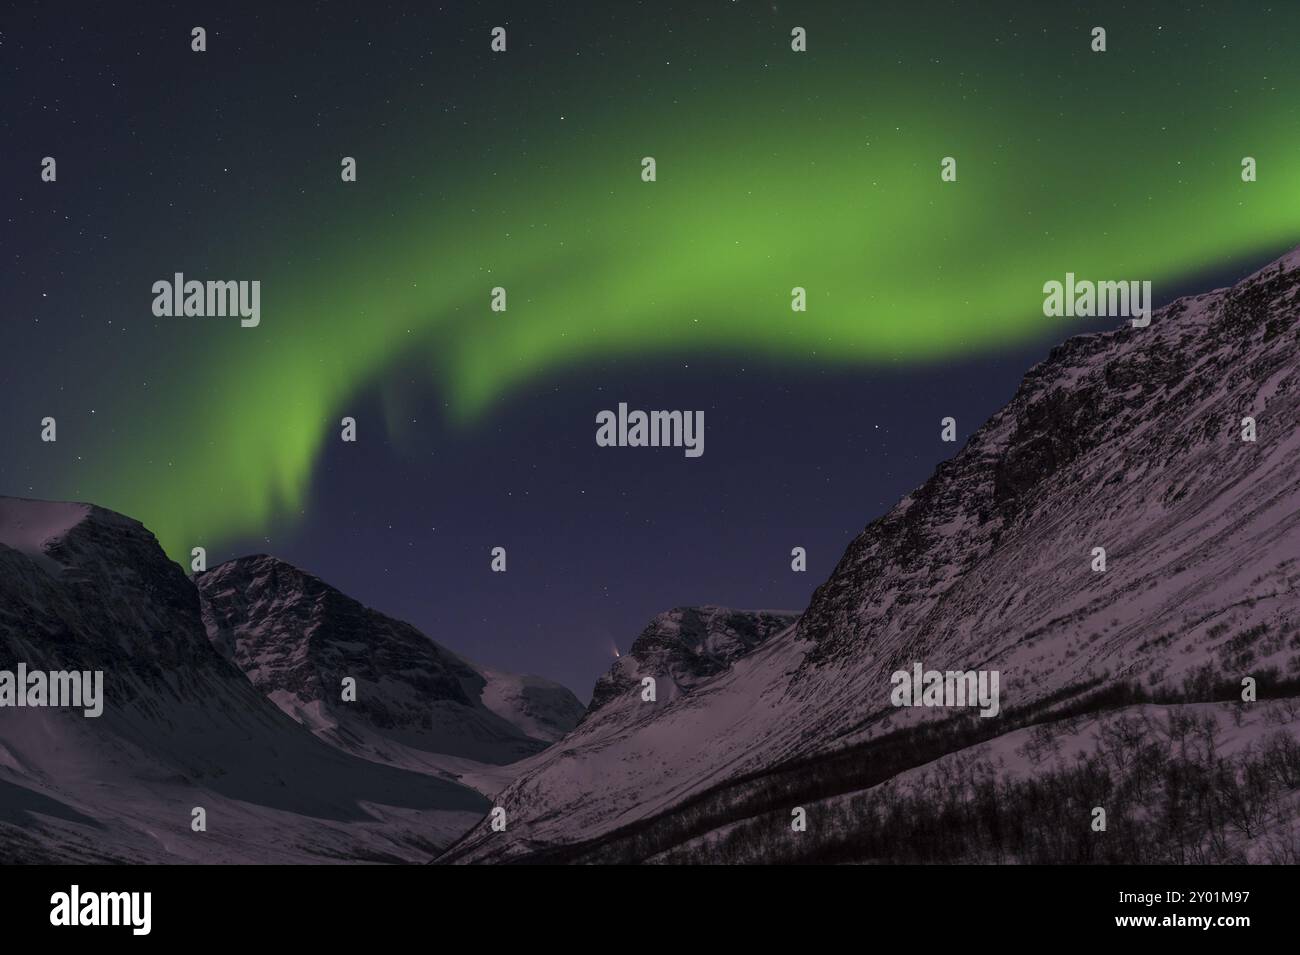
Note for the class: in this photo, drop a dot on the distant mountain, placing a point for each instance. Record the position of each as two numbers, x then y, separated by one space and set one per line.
297 638
608 777
82 588
1130 441
686 646
541 708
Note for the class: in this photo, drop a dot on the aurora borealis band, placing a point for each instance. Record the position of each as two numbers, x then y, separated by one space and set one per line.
522 170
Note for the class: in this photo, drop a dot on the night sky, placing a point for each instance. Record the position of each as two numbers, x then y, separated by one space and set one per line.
522 169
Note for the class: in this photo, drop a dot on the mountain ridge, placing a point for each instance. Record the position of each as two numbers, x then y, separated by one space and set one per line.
84 588
1127 439
297 638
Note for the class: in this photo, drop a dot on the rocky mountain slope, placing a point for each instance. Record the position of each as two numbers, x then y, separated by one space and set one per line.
686 646
1129 440
82 588
297 638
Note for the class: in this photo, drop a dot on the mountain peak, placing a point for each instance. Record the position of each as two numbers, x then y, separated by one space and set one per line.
298 639
684 646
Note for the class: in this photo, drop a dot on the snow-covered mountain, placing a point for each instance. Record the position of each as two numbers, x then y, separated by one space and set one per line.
686 646
417 704
541 708
1129 440
82 588
1172 448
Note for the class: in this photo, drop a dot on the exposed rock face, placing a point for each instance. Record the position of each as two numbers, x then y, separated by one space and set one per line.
685 646
297 639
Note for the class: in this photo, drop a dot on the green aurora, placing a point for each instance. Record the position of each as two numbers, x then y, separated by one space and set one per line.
821 171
